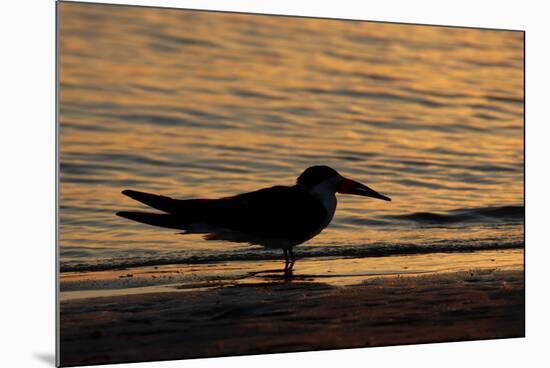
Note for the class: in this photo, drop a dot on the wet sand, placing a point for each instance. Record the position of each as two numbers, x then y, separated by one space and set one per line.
269 314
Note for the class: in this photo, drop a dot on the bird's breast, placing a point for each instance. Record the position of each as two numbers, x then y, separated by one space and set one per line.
329 202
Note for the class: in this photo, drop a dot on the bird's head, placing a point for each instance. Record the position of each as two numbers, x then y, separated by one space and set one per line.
324 178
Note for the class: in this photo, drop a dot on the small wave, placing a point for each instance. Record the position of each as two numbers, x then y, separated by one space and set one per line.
183 41
375 95
483 214
356 251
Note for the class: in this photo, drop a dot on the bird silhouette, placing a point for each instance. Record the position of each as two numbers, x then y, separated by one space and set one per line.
278 217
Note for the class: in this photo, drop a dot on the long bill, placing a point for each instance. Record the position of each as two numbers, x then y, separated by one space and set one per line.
348 186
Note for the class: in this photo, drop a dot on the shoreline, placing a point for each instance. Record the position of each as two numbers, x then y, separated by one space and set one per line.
331 271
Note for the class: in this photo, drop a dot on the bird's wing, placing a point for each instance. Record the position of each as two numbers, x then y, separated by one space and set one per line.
279 212
288 213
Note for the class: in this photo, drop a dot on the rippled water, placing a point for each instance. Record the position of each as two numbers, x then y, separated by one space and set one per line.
202 104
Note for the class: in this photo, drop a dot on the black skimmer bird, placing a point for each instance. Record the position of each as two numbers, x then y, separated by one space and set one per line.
278 217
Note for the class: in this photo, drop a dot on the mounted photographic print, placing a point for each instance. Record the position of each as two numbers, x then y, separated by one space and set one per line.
236 184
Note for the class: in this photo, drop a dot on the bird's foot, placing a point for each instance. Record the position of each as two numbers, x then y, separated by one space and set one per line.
289 263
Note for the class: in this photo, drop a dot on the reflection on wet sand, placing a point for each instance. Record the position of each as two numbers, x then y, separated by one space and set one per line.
332 271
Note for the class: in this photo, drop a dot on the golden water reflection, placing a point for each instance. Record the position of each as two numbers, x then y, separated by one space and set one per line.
193 104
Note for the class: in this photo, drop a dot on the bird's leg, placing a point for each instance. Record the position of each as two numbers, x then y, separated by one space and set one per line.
292 258
286 259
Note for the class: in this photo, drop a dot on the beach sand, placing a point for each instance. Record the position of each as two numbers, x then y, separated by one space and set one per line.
265 313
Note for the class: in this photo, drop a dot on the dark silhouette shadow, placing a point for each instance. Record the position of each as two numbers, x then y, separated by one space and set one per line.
46 358
276 217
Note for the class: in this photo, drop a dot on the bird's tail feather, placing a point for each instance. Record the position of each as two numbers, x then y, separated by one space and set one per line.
158 202
155 219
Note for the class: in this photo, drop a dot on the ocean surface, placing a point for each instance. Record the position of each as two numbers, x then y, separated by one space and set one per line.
202 104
